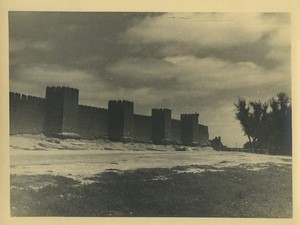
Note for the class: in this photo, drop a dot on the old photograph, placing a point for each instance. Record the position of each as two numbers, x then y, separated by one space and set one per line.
150 114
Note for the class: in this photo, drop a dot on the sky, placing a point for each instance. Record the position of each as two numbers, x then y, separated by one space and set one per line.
187 62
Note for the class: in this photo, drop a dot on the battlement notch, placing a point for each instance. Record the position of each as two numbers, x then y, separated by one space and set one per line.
91 109
17 97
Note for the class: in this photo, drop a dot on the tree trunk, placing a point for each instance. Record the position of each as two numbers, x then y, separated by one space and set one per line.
254 141
251 144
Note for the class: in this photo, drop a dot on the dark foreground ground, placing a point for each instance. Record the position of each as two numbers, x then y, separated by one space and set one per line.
232 192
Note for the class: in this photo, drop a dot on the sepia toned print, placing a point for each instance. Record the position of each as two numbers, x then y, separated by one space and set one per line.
150 114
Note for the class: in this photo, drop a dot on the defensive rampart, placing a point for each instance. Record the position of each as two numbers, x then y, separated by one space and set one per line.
26 113
142 128
59 113
93 122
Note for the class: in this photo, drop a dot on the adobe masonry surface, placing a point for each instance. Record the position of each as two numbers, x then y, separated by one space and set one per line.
30 114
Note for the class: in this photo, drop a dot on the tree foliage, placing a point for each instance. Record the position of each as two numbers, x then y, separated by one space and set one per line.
267 125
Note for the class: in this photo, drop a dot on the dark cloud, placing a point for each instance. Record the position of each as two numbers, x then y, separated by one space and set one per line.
189 62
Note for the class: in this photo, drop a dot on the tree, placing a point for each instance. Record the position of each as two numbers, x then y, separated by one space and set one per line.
267 125
280 123
251 117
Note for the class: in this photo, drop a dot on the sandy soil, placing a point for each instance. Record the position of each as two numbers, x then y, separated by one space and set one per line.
80 159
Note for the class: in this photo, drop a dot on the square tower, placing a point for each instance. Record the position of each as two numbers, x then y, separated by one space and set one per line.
189 128
61 114
161 125
203 133
120 120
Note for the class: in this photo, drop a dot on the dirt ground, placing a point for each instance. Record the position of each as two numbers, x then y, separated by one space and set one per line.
51 177
79 159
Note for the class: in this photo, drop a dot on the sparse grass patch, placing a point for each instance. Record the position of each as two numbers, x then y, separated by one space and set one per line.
233 192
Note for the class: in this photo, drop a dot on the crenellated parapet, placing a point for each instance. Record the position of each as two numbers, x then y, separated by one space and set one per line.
141 116
60 114
91 109
190 115
59 89
161 110
120 102
17 97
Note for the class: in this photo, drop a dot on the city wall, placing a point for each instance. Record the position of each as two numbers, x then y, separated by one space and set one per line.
93 122
26 114
142 127
176 130
59 113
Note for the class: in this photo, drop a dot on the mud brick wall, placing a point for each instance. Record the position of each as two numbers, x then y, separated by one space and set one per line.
93 122
176 130
189 128
26 114
61 110
142 127
120 119
70 110
54 111
161 125
203 133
